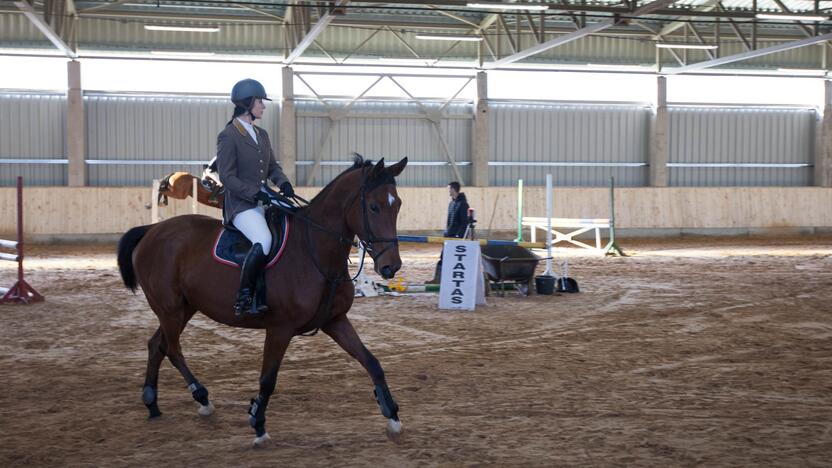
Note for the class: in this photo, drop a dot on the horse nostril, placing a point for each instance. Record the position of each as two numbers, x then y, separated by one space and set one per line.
387 272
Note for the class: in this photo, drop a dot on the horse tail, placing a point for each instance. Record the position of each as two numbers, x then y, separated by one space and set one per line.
126 245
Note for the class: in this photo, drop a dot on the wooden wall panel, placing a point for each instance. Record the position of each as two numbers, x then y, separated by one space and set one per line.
108 210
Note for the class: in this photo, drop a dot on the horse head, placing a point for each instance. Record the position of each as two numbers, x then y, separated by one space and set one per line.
373 218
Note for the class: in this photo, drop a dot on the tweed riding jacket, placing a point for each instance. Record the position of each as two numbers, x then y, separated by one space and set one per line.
244 167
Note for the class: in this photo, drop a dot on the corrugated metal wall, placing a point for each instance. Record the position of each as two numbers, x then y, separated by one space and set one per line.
568 134
32 127
581 145
741 136
139 128
391 138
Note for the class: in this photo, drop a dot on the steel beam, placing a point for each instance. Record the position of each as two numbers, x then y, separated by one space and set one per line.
453 16
550 44
737 32
705 7
434 119
701 40
575 35
750 54
533 29
44 28
104 6
404 43
313 33
806 31
502 22
359 46
659 38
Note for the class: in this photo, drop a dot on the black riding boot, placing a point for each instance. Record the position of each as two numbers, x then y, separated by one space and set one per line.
260 293
253 264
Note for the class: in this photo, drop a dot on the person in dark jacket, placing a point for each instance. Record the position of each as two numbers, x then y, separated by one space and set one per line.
456 224
245 161
457 221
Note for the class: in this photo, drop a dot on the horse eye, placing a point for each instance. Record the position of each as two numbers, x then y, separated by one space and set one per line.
374 208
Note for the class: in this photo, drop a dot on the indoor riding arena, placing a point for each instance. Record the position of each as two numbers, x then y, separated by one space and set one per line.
632 203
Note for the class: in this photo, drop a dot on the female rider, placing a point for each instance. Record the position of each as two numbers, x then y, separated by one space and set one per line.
245 161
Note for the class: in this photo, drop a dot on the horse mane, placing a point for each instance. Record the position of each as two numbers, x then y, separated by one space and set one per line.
358 162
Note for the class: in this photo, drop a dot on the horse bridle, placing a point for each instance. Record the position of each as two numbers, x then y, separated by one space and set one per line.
324 314
367 246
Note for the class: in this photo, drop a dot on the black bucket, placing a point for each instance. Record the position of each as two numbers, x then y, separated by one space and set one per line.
567 285
544 284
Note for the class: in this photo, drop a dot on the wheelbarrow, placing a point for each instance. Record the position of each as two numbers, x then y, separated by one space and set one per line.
503 263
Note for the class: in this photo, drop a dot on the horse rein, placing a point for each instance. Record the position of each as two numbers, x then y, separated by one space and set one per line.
368 246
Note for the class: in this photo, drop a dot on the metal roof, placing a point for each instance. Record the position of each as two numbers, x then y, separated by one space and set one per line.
343 30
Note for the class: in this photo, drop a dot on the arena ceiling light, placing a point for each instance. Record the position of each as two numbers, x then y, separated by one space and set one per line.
510 6
802 71
775 16
448 37
669 45
205 29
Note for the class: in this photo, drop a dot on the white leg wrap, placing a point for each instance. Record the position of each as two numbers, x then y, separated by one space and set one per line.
262 441
206 410
394 426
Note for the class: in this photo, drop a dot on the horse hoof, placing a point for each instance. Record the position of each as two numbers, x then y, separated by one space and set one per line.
394 431
262 441
206 410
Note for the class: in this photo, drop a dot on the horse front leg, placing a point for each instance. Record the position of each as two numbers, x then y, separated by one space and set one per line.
342 331
277 340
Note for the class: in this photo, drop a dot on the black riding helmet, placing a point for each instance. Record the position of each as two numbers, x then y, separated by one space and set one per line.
244 93
247 88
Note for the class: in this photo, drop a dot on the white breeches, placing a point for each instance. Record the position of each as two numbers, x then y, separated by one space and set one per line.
252 223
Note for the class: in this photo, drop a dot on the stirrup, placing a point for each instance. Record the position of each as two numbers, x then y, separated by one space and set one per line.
245 303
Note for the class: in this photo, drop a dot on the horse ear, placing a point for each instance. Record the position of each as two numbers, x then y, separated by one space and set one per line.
397 168
377 169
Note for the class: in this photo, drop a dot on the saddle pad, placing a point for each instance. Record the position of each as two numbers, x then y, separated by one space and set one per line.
231 245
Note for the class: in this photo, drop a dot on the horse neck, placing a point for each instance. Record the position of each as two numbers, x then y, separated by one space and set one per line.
329 211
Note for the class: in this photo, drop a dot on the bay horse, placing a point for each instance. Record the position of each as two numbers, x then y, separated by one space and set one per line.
308 289
179 185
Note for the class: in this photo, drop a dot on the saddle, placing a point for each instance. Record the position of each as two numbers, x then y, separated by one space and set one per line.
216 192
231 245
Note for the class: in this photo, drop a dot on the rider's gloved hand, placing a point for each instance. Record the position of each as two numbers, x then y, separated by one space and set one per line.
263 198
287 189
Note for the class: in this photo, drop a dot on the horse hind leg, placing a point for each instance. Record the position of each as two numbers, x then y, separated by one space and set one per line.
172 329
155 356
